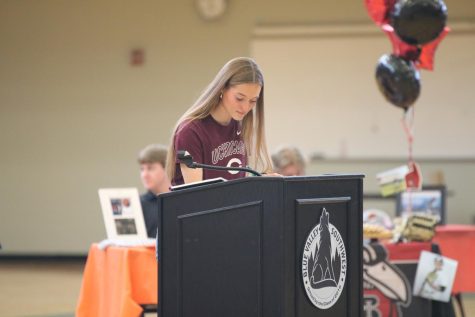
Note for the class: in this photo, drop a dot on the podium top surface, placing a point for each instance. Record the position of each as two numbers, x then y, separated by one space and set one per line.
267 179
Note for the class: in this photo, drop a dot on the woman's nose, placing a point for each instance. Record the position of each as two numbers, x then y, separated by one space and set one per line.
248 106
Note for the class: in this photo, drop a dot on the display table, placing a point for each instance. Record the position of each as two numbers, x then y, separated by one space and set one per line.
389 273
117 280
458 242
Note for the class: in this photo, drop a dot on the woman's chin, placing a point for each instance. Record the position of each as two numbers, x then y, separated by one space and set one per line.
238 116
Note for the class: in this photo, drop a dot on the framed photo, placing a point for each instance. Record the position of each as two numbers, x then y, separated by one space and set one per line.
435 276
430 200
122 214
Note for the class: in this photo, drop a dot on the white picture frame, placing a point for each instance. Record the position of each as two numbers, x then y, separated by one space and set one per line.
435 276
122 213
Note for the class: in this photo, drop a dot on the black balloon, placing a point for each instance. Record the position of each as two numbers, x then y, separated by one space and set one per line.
418 22
398 80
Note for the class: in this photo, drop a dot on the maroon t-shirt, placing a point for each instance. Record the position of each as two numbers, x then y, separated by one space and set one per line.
211 143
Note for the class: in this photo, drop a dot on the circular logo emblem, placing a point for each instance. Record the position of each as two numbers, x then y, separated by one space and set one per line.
231 163
324 264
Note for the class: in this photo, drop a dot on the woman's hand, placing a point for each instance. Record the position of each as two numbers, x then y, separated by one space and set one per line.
191 175
272 174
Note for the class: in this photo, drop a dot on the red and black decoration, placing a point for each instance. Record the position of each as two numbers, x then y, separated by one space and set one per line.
421 56
398 80
415 28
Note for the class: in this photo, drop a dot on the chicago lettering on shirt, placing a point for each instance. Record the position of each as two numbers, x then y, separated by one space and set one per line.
227 149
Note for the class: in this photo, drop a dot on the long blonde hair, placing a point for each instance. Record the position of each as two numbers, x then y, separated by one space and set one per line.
240 70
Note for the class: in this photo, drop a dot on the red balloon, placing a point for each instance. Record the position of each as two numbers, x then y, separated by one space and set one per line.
401 48
426 59
422 55
379 10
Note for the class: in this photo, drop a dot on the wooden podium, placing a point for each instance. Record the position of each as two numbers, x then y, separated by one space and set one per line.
264 247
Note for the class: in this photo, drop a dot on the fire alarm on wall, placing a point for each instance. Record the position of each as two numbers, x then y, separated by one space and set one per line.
137 57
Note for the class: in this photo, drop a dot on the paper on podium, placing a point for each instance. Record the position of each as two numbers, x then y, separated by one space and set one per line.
150 242
198 183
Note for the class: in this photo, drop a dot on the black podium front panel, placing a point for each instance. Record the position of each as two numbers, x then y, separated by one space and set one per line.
237 247
248 247
233 232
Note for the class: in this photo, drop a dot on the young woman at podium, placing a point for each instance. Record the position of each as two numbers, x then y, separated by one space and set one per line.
224 127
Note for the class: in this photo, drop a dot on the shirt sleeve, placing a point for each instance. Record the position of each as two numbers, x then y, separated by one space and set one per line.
187 139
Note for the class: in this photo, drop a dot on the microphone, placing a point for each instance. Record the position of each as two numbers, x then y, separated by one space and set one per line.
186 158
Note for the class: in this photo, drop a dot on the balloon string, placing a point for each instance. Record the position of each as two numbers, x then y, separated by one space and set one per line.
408 125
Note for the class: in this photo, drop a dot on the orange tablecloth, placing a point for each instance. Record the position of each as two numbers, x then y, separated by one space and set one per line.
458 242
117 280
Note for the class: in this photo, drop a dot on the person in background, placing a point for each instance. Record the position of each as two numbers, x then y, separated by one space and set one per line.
224 127
155 180
288 161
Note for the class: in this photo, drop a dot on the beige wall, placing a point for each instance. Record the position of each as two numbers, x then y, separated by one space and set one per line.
73 113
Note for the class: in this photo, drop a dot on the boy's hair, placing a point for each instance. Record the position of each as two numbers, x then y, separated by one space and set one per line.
153 153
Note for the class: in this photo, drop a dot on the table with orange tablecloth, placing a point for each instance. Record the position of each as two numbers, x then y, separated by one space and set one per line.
458 242
117 280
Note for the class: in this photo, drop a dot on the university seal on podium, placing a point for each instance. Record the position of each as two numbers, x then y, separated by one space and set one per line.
324 263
